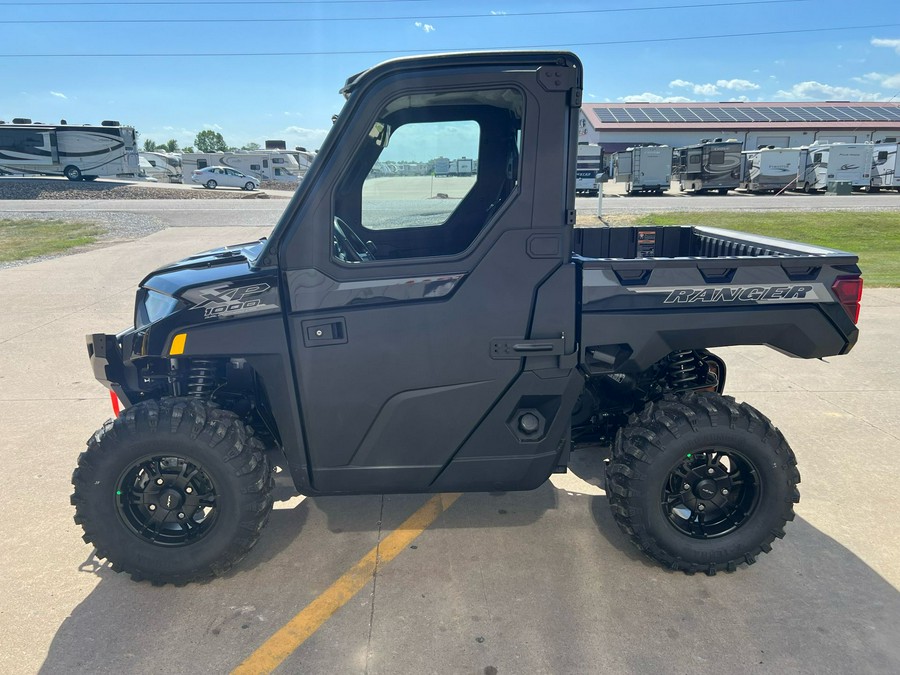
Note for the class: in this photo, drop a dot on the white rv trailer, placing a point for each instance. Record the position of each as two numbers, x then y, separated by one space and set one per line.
645 168
821 163
164 166
589 163
770 169
710 165
272 165
884 167
78 152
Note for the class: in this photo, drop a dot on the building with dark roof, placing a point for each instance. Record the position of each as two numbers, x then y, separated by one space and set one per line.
621 125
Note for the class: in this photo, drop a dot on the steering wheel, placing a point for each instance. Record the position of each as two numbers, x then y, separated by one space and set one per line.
348 246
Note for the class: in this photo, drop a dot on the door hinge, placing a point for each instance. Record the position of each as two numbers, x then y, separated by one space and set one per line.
575 97
570 217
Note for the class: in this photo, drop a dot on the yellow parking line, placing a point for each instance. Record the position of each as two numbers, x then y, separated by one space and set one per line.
296 631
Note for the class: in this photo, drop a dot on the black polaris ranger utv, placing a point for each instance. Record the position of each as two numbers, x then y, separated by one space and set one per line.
452 332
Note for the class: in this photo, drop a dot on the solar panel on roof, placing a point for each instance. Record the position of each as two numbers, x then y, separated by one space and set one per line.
604 115
863 114
891 113
878 114
655 115
825 114
842 114
755 115
792 114
619 114
705 115
639 115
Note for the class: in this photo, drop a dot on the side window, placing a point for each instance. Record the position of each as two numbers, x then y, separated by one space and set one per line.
717 157
430 177
882 155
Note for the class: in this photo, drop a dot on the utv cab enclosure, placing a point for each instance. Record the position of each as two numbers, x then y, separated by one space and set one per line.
402 333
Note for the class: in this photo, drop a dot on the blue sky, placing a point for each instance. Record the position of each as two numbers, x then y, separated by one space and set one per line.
312 46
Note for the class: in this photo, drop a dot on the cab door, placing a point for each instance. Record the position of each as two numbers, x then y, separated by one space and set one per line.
432 319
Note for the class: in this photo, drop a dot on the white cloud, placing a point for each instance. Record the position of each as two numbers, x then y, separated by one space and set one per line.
427 27
498 12
889 81
812 90
648 97
212 126
737 85
708 89
891 43
58 94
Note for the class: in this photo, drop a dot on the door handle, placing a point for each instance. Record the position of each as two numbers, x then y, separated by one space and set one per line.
516 348
320 332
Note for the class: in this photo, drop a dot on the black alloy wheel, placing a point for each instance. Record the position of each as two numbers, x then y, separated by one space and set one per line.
711 493
166 500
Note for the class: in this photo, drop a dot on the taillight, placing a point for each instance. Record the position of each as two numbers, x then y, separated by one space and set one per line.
849 292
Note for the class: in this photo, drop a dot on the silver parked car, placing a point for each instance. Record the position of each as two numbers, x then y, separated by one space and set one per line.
214 176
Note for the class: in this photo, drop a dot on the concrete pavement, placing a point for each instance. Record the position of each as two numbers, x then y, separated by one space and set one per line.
537 582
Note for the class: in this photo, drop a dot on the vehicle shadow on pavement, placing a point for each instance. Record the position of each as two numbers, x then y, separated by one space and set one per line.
810 606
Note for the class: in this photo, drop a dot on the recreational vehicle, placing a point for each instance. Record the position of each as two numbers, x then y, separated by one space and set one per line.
646 168
588 164
78 152
821 163
710 165
884 167
462 167
770 169
270 165
164 166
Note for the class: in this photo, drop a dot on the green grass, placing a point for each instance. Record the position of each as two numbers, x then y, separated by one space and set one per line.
29 238
873 236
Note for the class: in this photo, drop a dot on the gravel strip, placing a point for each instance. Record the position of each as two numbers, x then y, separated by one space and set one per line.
36 188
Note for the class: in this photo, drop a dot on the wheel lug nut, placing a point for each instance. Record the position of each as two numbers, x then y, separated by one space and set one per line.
710 470
159 481
687 487
181 516
700 507
152 507
189 489
724 491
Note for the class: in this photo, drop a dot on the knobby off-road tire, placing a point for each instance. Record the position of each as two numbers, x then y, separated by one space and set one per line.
173 491
701 483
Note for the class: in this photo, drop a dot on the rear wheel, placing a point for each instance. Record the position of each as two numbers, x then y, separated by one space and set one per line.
72 172
701 483
211 184
173 492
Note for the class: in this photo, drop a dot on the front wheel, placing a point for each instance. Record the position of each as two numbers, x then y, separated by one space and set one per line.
249 186
172 492
701 483
72 172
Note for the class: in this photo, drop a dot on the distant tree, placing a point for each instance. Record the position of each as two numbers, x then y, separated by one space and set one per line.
171 145
250 146
150 146
210 141
189 148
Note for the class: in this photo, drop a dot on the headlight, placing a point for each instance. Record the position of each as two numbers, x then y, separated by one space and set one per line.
152 306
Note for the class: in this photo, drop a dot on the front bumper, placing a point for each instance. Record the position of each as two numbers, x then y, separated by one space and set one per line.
111 368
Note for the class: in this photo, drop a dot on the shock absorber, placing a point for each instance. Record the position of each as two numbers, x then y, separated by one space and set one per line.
202 378
683 370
